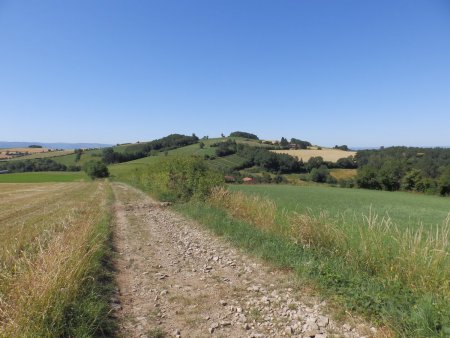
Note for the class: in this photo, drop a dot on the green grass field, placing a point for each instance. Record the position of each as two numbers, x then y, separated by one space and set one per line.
405 209
85 157
368 246
43 176
226 162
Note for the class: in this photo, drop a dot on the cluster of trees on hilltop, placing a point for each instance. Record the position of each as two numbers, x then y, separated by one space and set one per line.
301 144
298 144
343 147
244 135
140 150
38 164
405 168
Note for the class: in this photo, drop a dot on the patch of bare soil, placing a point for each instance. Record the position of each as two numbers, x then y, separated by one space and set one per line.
176 279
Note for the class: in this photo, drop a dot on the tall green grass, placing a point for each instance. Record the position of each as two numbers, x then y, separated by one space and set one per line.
389 302
417 258
406 210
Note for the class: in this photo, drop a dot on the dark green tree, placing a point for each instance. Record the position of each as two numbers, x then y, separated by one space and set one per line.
390 175
368 178
314 162
320 175
96 169
411 179
284 142
444 182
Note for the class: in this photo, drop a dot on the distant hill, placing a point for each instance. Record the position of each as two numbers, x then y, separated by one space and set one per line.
5 144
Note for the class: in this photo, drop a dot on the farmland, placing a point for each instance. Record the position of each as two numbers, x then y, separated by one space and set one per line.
227 162
343 174
52 238
384 254
376 252
6 153
40 177
327 154
404 209
86 156
42 154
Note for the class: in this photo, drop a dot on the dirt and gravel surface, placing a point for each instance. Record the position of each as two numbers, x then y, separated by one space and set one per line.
176 279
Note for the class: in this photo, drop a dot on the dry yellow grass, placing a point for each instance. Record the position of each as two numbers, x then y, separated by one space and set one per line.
343 174
44 154
6 153
327 154
255 209
47 241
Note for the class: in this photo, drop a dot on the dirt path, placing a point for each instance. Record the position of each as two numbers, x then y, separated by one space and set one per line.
176 278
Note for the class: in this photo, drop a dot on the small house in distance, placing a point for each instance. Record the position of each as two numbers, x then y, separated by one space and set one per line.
247 180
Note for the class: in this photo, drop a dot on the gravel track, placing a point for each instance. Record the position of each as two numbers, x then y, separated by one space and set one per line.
177 278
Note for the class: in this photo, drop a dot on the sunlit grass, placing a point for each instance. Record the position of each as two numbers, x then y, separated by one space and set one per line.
53 239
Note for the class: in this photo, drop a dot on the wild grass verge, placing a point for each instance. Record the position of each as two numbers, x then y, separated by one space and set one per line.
63 288
396 277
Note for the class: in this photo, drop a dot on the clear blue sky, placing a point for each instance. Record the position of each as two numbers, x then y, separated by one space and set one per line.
362 73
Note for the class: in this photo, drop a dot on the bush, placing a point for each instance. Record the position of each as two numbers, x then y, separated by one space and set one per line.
178 179
96 169
320 175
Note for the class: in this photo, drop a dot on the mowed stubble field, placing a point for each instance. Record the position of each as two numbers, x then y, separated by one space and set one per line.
51 238
4 151
327 154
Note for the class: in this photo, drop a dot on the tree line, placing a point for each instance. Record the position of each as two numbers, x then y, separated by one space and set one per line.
38 164
140 150
405 168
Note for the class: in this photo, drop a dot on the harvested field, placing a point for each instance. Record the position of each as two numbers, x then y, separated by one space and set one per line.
327 154
343 174
51 238
43 154
6 153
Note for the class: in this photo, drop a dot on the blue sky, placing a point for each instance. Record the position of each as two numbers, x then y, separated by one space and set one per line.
362 73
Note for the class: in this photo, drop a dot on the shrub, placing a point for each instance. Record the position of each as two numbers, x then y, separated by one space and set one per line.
178 179
96 169
321 175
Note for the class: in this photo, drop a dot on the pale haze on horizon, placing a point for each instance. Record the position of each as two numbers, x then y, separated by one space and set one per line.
362 73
